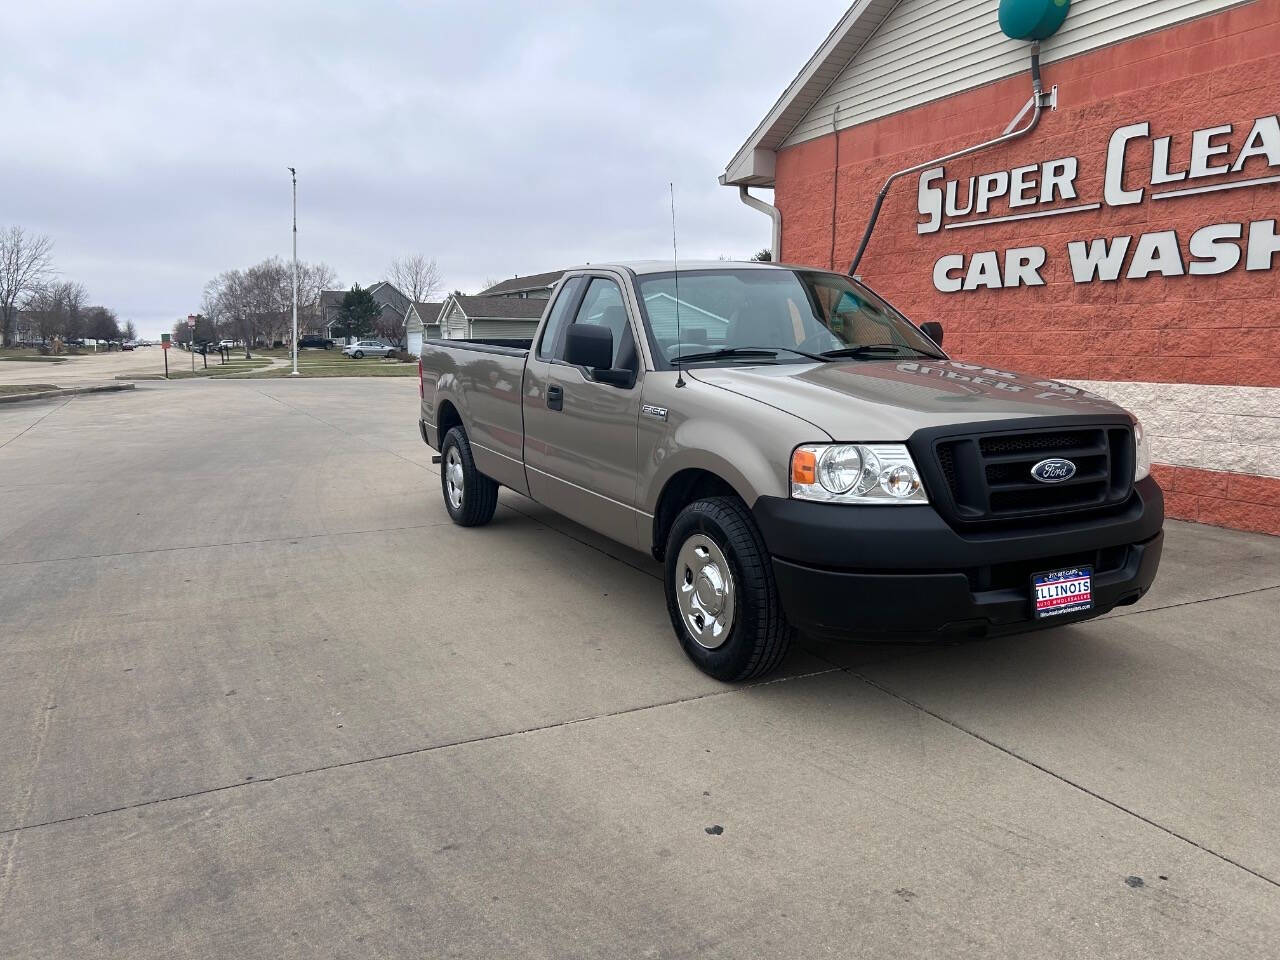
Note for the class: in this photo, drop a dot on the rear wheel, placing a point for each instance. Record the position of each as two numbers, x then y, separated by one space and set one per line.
721 595
359 355
470 497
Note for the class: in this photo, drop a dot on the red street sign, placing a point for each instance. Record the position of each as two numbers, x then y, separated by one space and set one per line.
164 344
191 322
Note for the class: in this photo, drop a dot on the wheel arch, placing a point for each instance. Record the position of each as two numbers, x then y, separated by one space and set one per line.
447 417
684 487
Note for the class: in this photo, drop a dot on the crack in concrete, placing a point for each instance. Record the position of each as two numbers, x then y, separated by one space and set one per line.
37 423
1189 603
1061 778
412 752
226 543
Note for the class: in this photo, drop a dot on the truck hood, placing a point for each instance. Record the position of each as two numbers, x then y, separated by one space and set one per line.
888 400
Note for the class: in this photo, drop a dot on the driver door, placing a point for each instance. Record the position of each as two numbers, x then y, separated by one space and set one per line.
580 435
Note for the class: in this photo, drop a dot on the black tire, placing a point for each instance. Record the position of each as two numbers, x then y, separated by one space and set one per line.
759 636
358 355
479 494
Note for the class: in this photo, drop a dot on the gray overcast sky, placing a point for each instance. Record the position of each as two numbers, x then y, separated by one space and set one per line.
150 140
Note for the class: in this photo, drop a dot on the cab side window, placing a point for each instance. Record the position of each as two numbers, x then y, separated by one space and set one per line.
603 306
552 333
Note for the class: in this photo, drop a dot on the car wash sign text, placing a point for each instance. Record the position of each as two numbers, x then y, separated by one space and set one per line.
1048 189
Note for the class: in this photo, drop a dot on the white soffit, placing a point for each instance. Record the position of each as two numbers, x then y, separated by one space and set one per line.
891 55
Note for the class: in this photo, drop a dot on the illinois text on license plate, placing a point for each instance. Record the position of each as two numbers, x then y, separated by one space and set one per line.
1062 591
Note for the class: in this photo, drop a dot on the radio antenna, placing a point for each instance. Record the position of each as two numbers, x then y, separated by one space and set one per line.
675 274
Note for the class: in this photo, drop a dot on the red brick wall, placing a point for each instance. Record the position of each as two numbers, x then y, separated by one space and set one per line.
1222 499
1219 69
1224 329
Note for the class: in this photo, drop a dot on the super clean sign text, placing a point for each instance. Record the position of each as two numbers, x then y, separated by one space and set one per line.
1048 189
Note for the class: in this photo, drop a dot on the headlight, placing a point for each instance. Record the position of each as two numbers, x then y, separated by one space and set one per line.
855 473
1142 452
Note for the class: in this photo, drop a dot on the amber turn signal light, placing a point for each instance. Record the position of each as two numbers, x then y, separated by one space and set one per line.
804 466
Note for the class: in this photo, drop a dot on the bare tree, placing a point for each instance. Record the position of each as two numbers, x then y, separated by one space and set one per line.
256 304
56 310
416 276
313 279
43 312
101 323
72 298
389 326
129 331
26 260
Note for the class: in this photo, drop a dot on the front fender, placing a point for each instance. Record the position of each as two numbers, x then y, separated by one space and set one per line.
744 442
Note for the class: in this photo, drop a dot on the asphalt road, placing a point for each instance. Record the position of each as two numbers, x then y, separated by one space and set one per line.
260 698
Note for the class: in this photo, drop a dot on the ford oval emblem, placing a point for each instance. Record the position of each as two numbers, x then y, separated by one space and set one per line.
1053 470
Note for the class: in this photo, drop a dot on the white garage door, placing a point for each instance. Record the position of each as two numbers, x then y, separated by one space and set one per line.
415 342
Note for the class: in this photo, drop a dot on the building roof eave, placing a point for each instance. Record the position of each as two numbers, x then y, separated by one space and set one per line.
753 164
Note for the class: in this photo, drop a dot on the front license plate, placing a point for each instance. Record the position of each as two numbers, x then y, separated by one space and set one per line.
1060 592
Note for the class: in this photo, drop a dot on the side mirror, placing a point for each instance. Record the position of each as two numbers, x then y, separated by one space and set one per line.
588 345
933 331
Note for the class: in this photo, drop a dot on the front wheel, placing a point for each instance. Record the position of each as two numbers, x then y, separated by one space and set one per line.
470 497
721 595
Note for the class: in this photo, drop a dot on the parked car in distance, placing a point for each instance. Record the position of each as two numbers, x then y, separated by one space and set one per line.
368 348
314 342
226 344
127 345
799 455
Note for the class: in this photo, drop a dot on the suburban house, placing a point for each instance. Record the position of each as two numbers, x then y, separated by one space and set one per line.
422 322
394 305
485 317
535 287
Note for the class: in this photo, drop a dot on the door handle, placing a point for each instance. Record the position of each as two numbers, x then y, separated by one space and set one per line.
555 397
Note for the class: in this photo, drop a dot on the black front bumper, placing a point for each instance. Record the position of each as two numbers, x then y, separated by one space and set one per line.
845 571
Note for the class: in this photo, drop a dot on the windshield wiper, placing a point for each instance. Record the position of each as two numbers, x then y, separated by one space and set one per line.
869 349
762 352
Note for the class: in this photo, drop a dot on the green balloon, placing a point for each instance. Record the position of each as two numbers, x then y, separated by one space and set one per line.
1032 19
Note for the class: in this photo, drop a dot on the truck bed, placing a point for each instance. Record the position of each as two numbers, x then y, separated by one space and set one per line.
484 378
512 346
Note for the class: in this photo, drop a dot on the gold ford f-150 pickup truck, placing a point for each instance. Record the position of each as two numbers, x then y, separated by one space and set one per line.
800 456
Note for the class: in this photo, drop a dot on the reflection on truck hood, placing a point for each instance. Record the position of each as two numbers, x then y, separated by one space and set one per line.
872 400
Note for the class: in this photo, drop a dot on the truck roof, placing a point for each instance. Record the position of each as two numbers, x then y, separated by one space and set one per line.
664 266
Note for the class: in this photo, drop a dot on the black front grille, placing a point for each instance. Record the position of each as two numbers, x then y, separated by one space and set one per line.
989 475
1036 442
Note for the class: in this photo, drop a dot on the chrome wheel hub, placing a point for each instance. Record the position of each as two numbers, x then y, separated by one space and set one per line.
705 591
453 478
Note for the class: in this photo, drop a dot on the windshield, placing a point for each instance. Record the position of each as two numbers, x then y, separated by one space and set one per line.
772 316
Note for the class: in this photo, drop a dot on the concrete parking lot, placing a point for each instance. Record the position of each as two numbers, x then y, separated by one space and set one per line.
260 698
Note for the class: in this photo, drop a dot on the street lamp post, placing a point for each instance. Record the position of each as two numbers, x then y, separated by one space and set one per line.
294 174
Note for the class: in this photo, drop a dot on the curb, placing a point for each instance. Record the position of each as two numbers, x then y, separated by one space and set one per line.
67 392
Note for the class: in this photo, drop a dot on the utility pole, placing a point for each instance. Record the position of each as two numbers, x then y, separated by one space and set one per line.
294 174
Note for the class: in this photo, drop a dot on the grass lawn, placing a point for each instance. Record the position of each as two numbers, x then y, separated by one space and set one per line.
32 358
331 363
353 368
11 388
311 363
178 371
